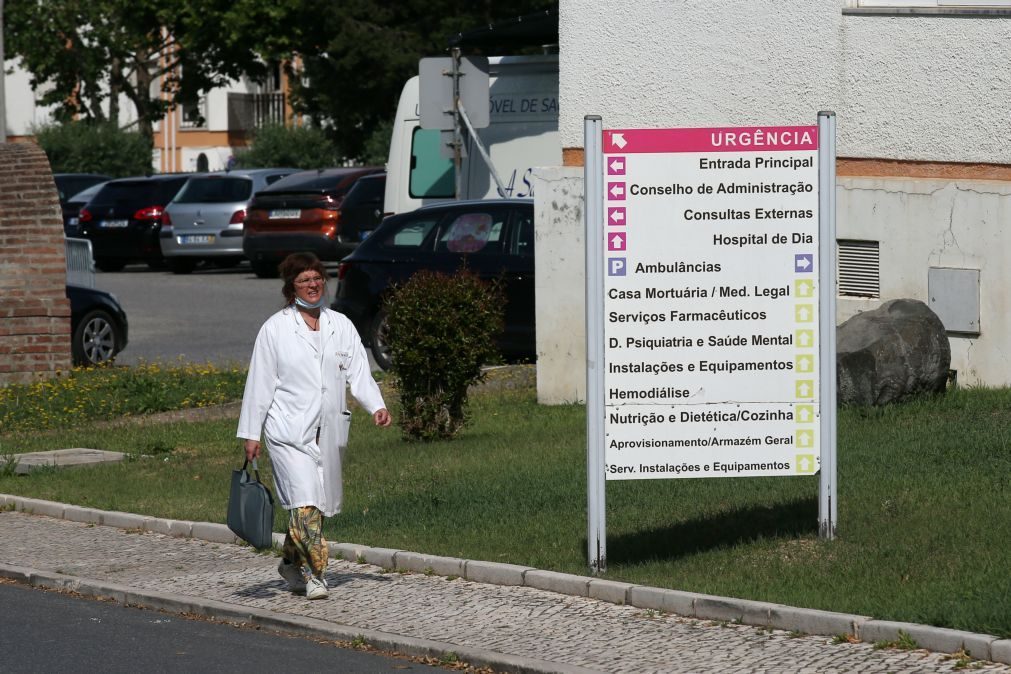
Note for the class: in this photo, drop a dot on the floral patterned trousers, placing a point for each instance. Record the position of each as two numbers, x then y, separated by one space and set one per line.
304 545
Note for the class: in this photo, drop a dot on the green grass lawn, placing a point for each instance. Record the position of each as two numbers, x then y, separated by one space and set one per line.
924 504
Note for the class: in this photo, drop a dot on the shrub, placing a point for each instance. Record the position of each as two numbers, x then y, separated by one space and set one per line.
95 147
441 330
304 147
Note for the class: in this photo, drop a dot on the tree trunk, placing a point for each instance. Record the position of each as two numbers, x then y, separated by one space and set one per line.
115 78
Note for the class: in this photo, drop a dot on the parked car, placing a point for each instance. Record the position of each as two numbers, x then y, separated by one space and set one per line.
69 184
362 209
495 238
98 326
301 212
204 220
72 209
123 219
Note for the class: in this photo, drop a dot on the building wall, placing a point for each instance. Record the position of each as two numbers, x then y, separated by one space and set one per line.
903 87
925 162
34 310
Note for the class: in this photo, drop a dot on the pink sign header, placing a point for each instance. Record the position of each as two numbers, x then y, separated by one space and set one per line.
717 139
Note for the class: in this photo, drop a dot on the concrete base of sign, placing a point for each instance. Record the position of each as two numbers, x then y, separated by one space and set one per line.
64 458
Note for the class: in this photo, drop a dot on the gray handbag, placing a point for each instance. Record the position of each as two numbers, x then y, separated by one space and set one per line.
251 508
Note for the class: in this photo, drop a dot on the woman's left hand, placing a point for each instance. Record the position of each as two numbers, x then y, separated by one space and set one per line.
382 417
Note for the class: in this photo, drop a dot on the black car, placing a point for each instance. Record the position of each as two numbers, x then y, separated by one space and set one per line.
72 209
123 219
495 238
362 209
98 326
70 184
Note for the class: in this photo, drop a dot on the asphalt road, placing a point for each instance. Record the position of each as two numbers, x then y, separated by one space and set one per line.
211 315
44 631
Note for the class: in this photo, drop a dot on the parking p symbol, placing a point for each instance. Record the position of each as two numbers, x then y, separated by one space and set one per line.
615 266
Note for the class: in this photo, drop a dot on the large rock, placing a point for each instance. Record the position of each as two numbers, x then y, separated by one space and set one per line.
891 353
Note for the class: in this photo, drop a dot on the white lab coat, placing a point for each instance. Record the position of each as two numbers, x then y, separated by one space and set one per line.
292 388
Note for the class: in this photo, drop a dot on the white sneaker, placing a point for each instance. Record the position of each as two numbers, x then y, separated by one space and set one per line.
316 588
291 573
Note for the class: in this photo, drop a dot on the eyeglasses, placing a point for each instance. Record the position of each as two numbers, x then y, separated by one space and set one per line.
309 281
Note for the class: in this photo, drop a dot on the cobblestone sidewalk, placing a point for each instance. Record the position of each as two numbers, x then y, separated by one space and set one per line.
521 623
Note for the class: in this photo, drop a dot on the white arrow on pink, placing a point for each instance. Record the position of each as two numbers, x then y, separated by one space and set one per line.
616 240
617 191
619 140
617 216
618 165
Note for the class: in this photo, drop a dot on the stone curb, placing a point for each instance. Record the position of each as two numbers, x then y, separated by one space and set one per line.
383 641
687 604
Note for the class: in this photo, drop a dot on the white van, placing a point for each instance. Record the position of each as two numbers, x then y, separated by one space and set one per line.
523 133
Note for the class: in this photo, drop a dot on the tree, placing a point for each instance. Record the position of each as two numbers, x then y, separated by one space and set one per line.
156 53
94 147
304 147
356 60
441 329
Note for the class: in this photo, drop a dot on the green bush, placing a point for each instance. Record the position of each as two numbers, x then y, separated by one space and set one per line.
93 147
441 330
304 147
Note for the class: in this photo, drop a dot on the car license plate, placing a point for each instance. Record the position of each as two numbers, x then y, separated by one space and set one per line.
196 238
111 224
284 213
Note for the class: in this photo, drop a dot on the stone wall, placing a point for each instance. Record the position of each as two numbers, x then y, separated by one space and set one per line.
34 310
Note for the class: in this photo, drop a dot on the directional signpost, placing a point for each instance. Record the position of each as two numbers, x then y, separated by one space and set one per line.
709 289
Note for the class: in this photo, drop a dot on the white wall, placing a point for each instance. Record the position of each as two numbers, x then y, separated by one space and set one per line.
560 284
22 111
925 88
939 223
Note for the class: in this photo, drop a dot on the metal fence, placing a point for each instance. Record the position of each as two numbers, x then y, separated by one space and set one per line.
80 264
247 112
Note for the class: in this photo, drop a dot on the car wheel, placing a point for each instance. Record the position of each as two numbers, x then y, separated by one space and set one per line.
265 269
95 339
182 265
110 264
380 345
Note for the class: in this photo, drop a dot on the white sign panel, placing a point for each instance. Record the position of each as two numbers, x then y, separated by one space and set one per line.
711 302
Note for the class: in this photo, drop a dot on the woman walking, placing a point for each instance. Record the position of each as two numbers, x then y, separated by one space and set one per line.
304 357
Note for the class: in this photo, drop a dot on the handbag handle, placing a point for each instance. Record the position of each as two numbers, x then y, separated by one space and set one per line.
256 470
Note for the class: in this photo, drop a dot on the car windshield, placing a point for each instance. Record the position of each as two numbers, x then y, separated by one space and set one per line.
85 195
315 181
215 190
69 185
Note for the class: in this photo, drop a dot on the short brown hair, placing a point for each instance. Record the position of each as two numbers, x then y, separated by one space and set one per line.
295 264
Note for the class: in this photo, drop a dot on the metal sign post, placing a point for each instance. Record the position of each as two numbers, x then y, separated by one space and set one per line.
828 501
593 180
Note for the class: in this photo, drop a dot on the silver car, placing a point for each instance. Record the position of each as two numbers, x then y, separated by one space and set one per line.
204 221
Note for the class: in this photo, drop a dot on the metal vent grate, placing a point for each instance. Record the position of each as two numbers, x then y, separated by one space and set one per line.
859 269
